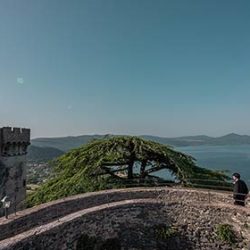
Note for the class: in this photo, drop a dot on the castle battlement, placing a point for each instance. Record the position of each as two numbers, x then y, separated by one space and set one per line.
13 149
9 135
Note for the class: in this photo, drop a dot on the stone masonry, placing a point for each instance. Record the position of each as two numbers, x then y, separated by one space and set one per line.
13 149
130 215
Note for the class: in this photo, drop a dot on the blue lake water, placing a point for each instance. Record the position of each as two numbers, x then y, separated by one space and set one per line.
231 158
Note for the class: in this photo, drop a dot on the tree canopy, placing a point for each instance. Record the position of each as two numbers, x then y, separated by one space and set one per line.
119 159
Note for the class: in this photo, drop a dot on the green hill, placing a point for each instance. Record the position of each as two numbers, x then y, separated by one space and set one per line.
67 143
64 143
42 154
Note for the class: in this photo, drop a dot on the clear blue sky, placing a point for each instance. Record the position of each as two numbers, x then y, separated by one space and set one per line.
167 68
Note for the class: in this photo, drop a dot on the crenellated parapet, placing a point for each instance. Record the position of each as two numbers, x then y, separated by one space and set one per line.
14 135
14 141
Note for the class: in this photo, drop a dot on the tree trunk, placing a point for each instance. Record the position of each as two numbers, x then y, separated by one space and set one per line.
130 170
143 167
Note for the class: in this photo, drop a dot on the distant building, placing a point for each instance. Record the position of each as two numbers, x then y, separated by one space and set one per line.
13 149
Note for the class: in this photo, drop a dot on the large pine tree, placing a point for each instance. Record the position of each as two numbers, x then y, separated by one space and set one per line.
117 160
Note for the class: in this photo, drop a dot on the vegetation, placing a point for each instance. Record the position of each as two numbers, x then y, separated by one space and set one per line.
38 173
225 233
42 154
31 188
117 161
65 143
164 232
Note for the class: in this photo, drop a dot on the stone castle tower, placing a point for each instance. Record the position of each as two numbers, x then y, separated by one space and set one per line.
13 149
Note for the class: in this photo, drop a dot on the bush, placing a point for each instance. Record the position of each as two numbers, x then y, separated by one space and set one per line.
164 232
225 233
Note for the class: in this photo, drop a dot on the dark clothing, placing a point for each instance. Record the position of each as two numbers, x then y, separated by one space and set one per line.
240 203
240 192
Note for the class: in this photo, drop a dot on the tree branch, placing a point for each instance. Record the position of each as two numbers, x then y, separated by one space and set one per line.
159 167
106 164
108 171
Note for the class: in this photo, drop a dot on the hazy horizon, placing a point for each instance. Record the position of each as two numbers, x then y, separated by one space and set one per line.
164 68
93 134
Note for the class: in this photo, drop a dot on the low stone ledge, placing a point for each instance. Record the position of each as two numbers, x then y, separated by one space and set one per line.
111 219
47 212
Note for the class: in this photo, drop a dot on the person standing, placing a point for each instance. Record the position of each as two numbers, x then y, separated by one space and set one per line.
240 191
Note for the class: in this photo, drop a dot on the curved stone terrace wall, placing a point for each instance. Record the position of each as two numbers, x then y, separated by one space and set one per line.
133 222
42 214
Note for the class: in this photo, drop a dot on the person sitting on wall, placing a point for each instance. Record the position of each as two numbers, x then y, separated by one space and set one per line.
240 191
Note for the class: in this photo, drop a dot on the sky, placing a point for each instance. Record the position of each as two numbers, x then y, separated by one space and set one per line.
158 67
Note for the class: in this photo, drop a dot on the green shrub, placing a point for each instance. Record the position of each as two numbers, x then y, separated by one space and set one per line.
164 232
225 233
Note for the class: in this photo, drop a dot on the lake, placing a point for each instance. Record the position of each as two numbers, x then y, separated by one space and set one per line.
232 158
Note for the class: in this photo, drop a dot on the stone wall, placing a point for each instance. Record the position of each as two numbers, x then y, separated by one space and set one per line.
13 150
14 180
44 213
44 224
14 135
134 222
